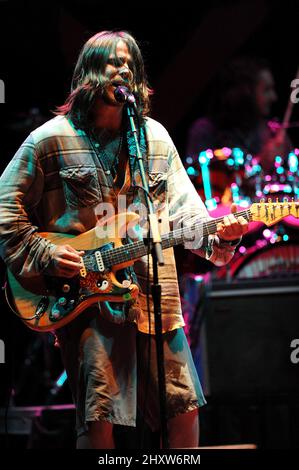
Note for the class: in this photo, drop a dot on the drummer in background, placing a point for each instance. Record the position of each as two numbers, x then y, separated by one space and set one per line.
238 114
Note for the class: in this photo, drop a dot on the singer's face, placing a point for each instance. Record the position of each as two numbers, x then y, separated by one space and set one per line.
118 71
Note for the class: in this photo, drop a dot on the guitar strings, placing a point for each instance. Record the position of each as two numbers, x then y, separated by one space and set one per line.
174 235
136 249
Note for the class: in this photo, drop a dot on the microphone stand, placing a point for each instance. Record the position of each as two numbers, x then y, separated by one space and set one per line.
157 257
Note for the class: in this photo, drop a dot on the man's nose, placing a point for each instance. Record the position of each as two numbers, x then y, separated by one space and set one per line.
124 72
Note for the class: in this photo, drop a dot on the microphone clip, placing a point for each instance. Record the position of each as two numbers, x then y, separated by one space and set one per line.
122 94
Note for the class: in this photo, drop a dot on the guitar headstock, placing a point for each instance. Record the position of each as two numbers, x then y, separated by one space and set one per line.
272 212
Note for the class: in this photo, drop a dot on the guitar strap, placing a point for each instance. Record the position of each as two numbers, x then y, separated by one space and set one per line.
134 167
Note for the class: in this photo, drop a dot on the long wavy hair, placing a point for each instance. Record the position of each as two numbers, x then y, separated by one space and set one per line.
89 78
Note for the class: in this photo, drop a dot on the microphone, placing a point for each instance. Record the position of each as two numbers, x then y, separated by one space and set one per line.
122 94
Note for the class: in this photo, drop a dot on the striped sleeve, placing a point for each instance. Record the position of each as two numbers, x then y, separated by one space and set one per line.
21 186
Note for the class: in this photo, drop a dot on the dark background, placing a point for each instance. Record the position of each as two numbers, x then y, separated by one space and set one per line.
184 45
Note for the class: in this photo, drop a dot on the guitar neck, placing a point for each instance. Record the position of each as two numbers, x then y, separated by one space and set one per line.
267 213
136 250
179 236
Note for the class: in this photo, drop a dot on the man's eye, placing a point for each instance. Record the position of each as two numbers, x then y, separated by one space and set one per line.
113 62
116 62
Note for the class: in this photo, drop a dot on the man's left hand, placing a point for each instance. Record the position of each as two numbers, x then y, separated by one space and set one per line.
232 227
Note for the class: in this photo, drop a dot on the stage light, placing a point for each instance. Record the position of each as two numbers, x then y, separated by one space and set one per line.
191 171
211 204
293 162
203 159
210 154
267 233
61 379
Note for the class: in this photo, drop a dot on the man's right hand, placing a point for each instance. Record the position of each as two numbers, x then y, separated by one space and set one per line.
66 261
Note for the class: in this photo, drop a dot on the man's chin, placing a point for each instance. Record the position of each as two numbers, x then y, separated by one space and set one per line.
109 99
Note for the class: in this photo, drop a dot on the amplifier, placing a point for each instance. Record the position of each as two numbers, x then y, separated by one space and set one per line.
241 334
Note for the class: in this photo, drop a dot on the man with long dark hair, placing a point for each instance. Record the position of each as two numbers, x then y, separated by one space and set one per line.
62 179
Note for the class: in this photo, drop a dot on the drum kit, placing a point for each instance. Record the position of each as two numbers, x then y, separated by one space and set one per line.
231 175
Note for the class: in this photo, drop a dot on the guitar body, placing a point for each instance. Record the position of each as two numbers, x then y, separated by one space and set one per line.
46 303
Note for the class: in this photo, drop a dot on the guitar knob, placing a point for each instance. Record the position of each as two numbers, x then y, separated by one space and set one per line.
126 283
55 314
62 301
66 288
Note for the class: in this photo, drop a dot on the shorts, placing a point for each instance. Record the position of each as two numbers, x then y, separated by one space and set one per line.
110 373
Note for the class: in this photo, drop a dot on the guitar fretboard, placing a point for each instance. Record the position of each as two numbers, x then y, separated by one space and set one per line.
135 250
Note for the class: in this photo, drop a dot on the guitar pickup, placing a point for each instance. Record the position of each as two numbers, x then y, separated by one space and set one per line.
99 261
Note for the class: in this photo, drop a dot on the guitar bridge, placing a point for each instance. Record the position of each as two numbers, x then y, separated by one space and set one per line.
83 271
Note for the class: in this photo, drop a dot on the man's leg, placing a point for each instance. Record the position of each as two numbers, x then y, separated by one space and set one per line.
182 384
183 430
100 436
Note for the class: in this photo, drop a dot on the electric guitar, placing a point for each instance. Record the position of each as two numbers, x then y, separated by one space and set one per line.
46 303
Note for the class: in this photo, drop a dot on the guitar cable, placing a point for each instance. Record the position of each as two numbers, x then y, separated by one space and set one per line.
10 305
4 288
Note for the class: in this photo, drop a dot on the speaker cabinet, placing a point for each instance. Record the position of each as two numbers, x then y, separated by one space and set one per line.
245 338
